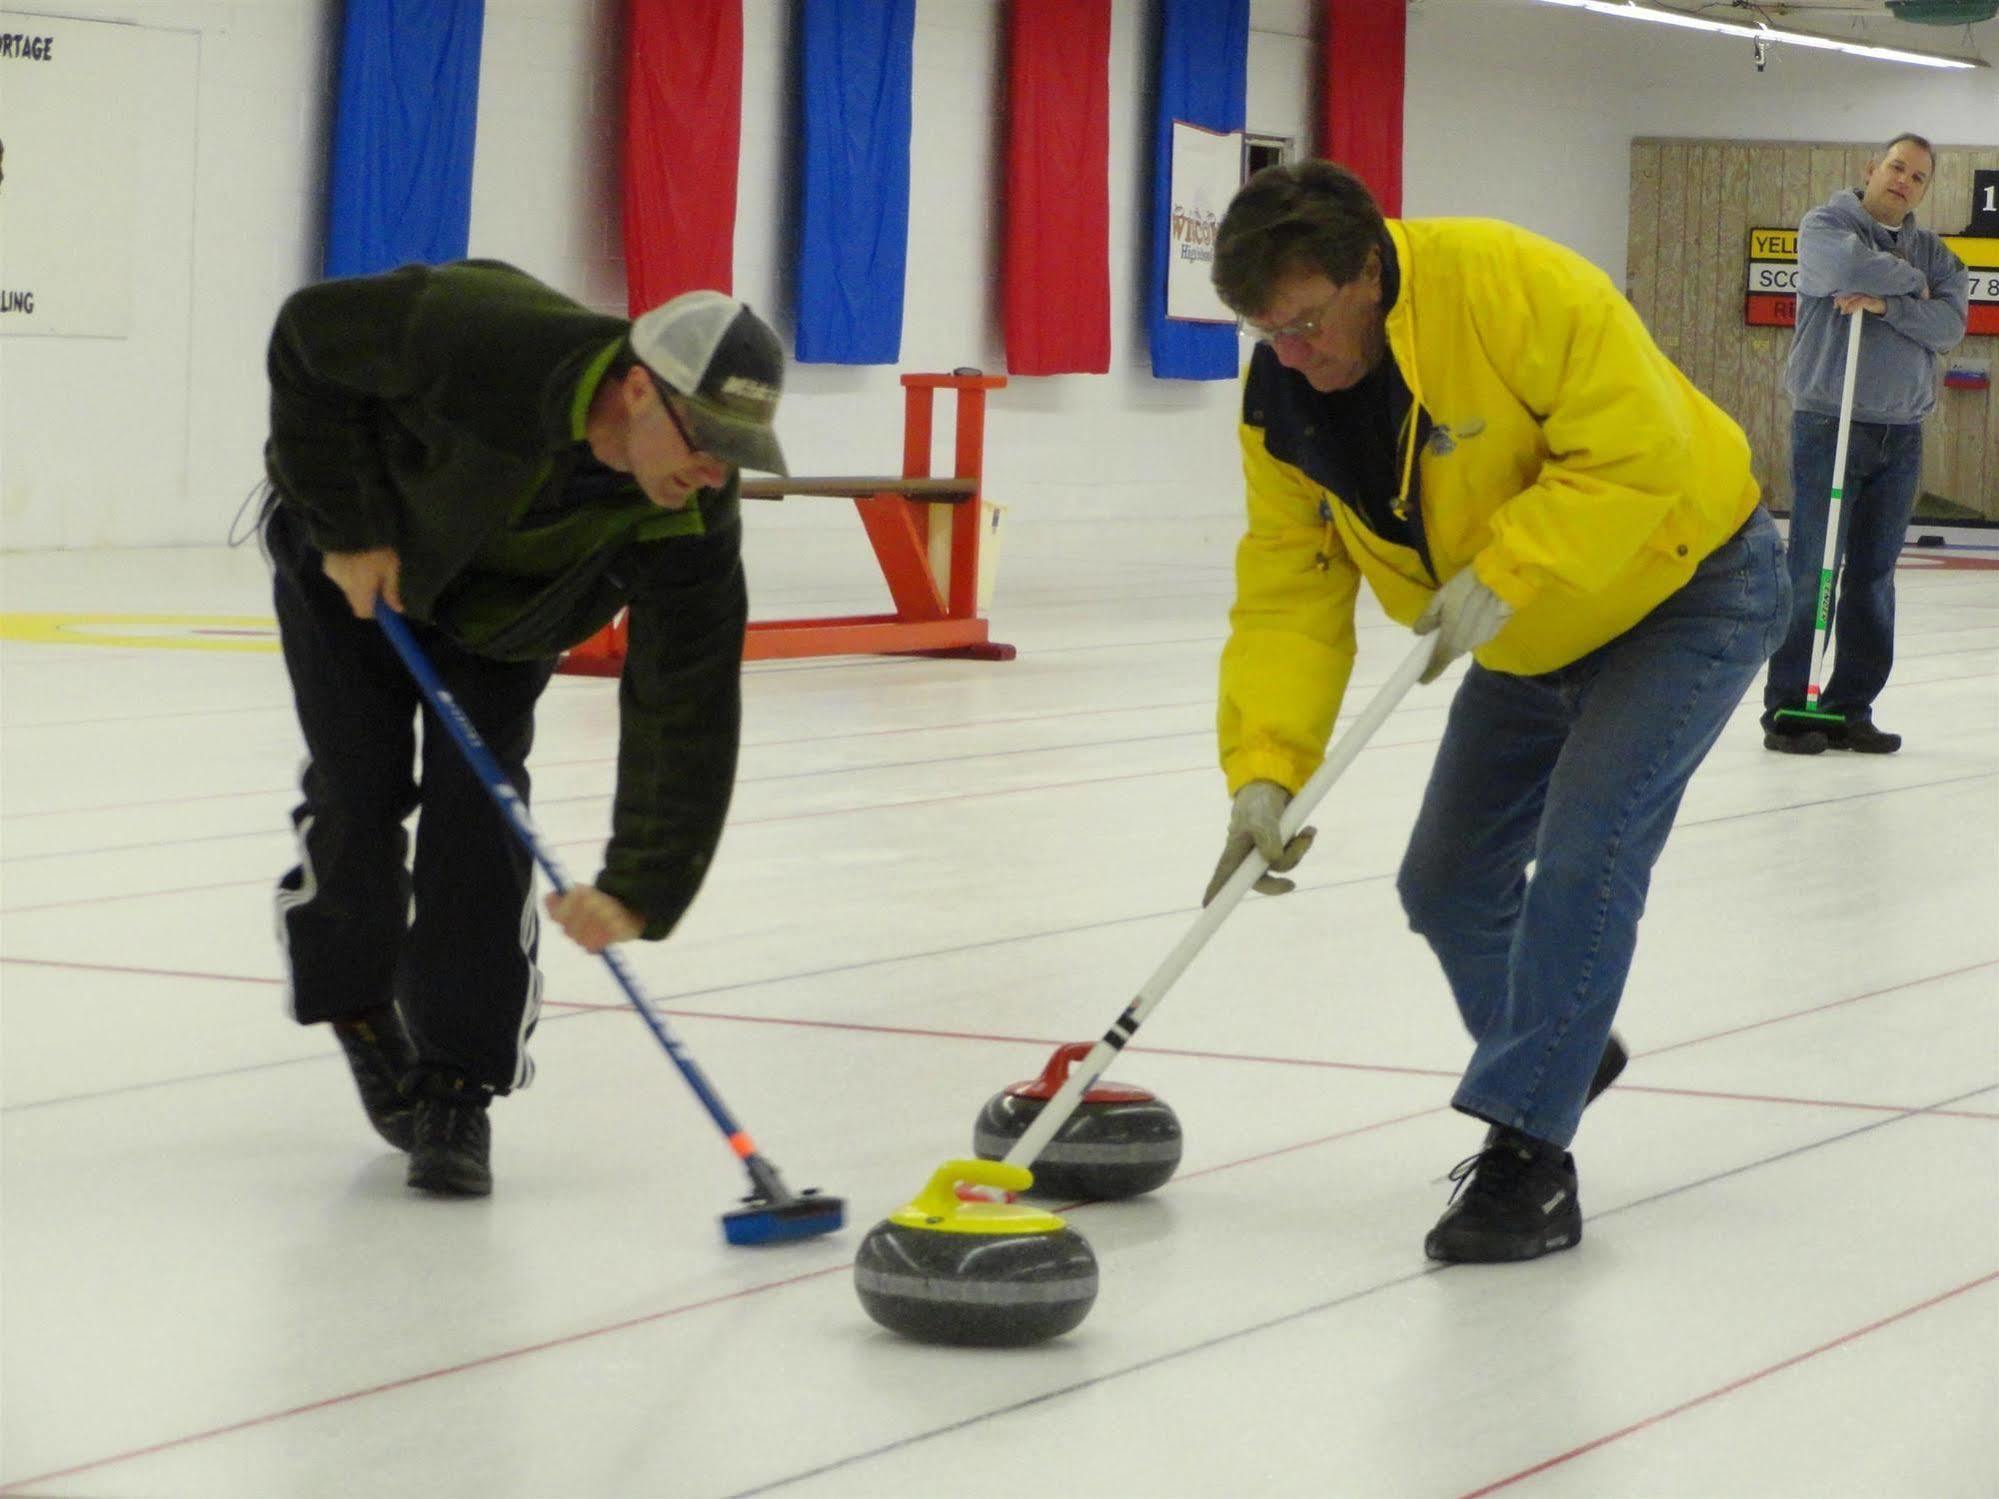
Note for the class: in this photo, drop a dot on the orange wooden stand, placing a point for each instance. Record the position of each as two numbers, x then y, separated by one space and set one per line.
928 551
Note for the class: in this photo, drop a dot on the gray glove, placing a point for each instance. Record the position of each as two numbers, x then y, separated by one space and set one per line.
1253 819
1465 614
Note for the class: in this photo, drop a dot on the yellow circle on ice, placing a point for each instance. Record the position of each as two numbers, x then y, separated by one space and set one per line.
170 632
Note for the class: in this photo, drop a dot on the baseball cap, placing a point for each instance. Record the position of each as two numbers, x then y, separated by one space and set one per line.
727 367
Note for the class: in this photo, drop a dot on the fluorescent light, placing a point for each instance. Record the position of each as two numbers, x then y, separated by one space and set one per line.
1763 32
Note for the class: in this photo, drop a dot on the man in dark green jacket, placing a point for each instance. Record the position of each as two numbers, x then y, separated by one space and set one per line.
509 469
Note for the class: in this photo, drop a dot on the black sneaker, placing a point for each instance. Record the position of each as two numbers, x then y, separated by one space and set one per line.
1515 1200
1608 1068
1790 736
450 1155
1859 735
379 1053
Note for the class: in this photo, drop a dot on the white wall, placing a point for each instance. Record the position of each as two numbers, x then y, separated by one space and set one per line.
545 195
153 439
1087 447
1513 109
1526 111
1709 86
545 187
1508 116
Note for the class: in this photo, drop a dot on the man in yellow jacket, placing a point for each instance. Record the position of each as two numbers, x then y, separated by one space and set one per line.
1475 421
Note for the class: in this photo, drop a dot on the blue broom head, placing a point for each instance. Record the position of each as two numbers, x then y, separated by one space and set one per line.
805 1216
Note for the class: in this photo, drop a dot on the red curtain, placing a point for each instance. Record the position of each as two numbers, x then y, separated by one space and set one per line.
683 124
1058 215
1360 92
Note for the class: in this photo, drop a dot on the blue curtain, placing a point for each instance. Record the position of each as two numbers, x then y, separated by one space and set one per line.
402 133
853 238
1203 71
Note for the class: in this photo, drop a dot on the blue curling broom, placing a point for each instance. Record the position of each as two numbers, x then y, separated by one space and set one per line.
772 1213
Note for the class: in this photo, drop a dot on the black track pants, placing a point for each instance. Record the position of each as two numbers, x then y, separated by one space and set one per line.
452 937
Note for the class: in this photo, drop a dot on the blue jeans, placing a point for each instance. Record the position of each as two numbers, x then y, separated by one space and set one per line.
1579 772
1883 465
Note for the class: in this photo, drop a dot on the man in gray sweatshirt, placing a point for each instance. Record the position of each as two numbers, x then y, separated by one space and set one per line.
1860 255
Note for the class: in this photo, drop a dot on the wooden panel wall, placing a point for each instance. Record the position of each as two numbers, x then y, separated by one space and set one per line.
1693 203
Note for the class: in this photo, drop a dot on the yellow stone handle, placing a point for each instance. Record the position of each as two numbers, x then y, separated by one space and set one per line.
940 1198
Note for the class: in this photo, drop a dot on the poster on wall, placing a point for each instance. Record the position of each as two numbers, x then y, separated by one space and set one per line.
68 175
1207 170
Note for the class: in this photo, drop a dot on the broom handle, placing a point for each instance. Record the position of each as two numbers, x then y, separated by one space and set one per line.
1084 1076
494 778
1829 568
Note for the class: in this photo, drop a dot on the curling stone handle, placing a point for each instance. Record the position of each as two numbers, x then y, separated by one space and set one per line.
1056 1073
1081 1079
939 1198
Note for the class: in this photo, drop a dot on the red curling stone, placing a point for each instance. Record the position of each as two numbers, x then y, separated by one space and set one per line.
1120 1142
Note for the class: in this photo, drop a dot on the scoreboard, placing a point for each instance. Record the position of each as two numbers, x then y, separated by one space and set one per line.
1772 297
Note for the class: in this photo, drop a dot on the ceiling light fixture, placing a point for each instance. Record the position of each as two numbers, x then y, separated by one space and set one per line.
1761 31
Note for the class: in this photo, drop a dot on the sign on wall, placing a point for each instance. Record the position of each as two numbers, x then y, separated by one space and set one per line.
68 175
1207 170
1984 203
1772 299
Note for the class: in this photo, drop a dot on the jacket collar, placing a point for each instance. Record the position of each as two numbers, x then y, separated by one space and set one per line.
586 389
1401 332
1846 203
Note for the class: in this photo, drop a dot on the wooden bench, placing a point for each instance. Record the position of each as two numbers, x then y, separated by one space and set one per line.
926 542
930 491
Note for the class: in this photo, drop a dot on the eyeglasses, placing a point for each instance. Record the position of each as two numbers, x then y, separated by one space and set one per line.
1306 327
694 448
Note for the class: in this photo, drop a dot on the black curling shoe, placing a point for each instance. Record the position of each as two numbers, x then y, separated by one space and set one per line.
1795 739
1515 1200
379 1053
1859 735
450 1155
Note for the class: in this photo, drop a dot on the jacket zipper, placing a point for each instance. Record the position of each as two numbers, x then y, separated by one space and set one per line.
1408 505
